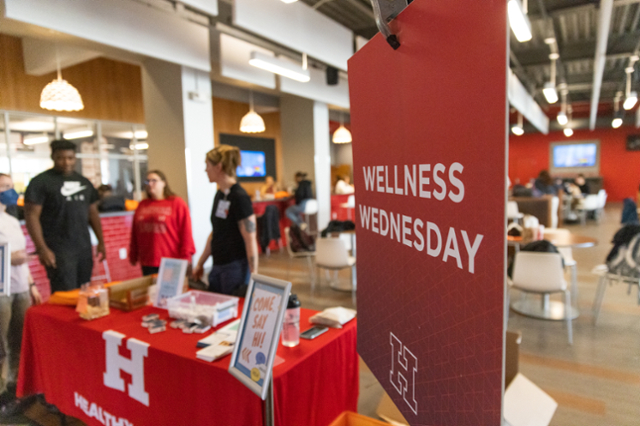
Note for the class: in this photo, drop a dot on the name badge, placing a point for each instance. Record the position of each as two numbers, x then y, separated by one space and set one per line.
223 209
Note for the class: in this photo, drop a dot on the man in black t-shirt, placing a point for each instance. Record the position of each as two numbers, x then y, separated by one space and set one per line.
59 205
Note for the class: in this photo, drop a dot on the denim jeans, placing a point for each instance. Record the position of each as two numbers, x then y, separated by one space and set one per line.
231 278
12 311
294 213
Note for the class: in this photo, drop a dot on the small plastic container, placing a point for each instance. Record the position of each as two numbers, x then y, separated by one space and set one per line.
291 323
203 307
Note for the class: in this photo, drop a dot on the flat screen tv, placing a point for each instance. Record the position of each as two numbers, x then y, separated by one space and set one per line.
575 157
258 156
253 164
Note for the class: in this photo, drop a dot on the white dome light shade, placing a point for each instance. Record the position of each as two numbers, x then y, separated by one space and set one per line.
550 93
562 118
517 130
60 96
342 135
630 101
252 123
616 122
568 132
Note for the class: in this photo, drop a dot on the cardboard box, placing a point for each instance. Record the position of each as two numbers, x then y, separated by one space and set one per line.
512 355
525 404
131 294
349 418
388 412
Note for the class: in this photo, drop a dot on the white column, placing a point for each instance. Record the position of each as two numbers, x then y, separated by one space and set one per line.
306 148
322 162
180 134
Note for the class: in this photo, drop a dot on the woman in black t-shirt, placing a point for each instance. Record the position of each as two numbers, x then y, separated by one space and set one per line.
232 243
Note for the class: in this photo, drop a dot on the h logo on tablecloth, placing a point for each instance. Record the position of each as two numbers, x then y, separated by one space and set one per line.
404 366
133 366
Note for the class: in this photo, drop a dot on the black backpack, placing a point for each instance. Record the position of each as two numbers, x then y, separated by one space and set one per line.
624 257
301 241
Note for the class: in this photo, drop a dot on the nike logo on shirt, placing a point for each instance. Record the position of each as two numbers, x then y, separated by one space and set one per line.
71 188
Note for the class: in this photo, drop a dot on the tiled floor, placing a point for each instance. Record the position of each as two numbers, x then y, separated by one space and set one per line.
595 382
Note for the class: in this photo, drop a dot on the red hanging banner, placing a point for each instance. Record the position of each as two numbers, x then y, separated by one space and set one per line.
429 128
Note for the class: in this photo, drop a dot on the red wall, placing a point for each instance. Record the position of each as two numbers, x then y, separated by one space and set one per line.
528 154
117 232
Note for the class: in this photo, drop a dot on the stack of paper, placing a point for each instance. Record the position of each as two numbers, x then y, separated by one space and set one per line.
333 317
218 344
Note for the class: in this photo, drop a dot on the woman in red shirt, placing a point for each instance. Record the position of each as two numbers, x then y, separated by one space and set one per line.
161 226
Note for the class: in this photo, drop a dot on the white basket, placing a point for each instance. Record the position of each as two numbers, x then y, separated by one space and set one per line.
207 308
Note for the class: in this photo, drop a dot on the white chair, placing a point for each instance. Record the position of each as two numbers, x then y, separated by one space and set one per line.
311 208
299 255
512 210
608 278
602 201
590 203
555 206
349 205
542 273
569 261
331 254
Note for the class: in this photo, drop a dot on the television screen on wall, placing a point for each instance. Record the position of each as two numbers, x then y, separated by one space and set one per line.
253 164
575 157
258 156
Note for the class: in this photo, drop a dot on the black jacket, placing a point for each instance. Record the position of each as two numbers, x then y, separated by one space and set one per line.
303 192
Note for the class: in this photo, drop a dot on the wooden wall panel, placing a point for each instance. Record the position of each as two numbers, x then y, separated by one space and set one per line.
226 119
110 90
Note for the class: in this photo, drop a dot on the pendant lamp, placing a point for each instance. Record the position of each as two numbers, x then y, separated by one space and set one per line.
60 95
252 122
342 134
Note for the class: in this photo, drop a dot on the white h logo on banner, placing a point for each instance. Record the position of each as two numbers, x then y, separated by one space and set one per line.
404 366
133 366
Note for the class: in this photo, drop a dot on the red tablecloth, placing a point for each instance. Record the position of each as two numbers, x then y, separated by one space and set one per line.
64 357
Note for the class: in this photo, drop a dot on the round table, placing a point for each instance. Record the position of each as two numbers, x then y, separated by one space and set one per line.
547 309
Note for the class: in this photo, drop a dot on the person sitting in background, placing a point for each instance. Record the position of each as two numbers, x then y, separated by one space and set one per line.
269 188
14 307
303 194
343 185
582 184
161 226
544 184
109 202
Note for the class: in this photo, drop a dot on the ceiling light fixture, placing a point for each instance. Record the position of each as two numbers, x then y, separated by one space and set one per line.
568 132
617 114
631 97
252 122
139 146
549 90
562 115
60 95
78 134
289 1
35 140
279 66
517 129
518 20
342 134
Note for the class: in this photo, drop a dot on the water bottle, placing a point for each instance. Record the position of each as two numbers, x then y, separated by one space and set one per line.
291 324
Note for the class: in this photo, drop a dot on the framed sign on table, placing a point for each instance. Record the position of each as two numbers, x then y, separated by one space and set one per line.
259 331
170 280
